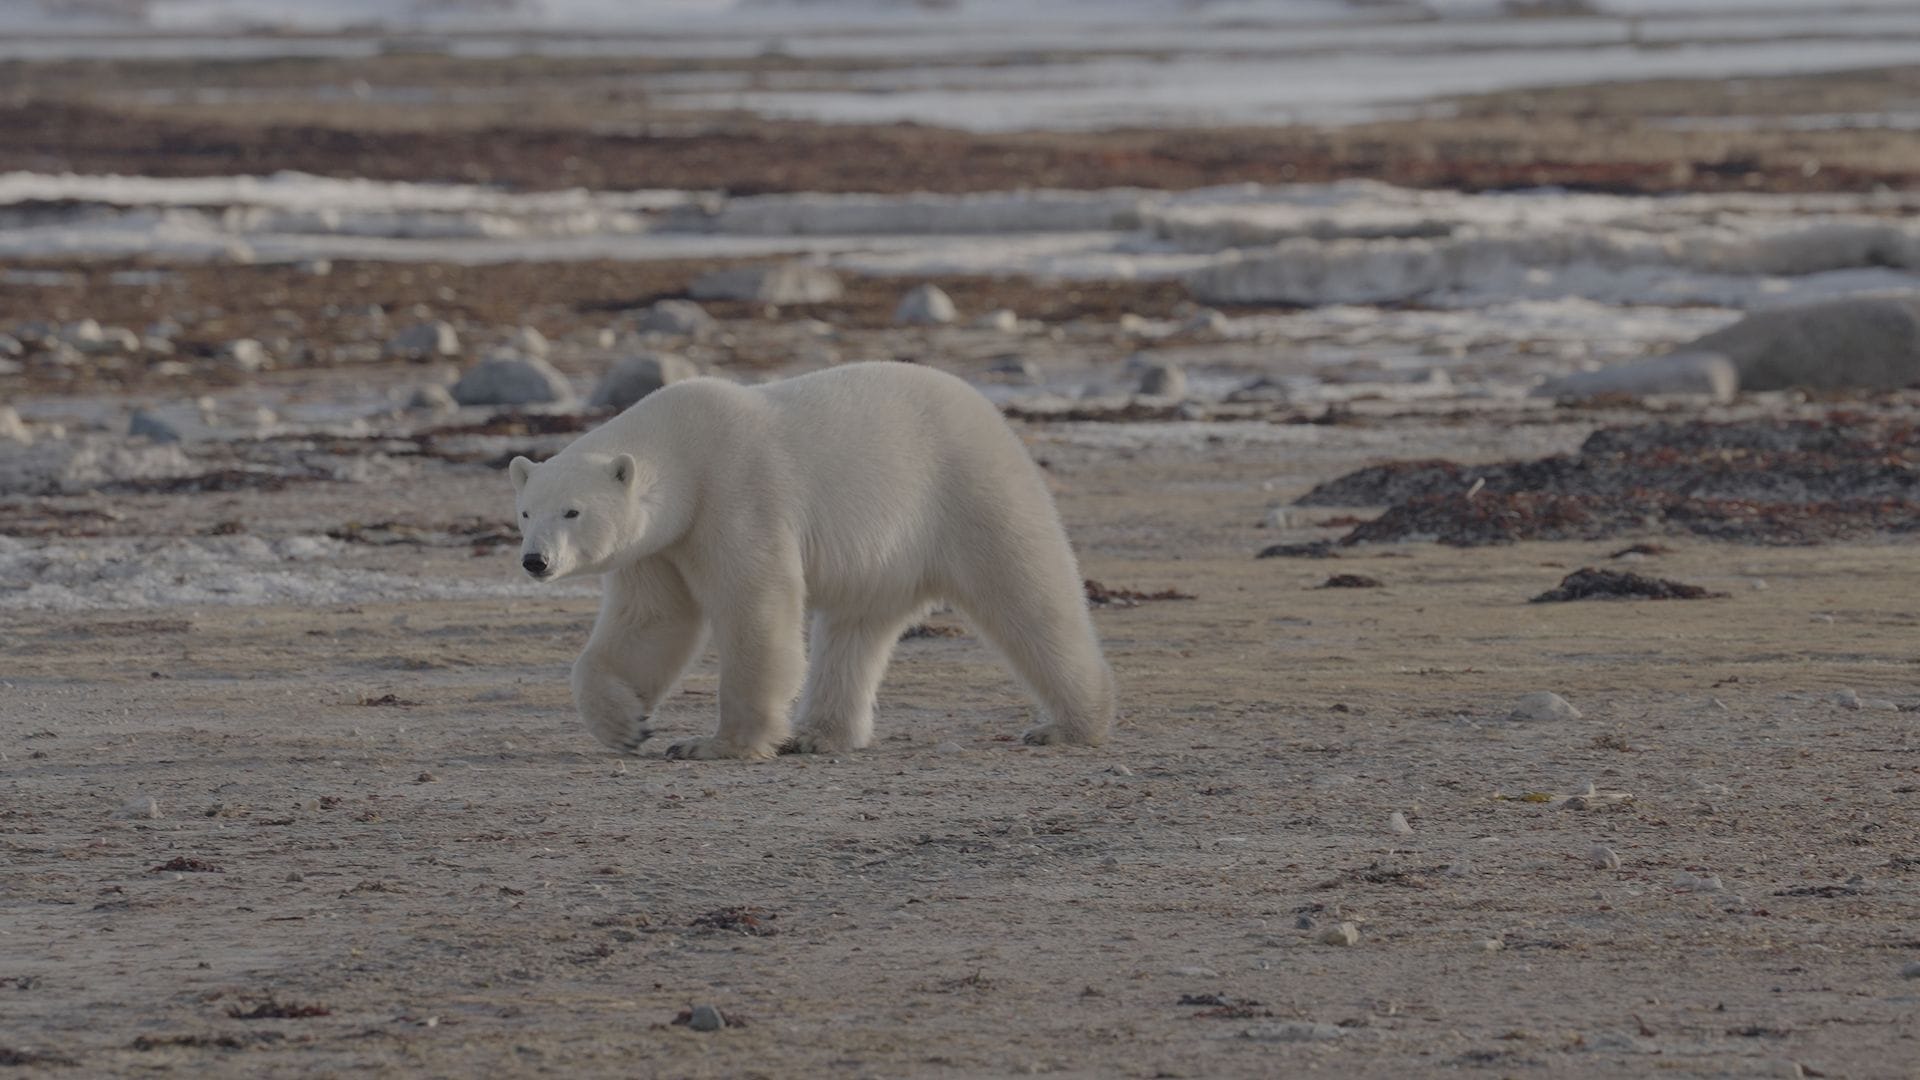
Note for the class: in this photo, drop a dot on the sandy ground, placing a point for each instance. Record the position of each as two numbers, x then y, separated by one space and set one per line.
465 883
382 827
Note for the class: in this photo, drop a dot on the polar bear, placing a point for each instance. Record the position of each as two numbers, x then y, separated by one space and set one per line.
863 494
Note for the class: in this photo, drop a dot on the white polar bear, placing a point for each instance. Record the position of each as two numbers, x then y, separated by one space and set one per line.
864 493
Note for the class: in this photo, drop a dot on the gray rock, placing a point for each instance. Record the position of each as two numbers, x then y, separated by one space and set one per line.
1397 823
1000 320
1161 379
1694 374
706 1018
1344 934
1911 971
140 807
776 283
11 429
926 305
1543 706
637 376
119 339
1206 321
1865 342
245 354
144 424
528 341
1018 369
424 340
10 347
432 398
512 380
1294 1031
682 317
1846 699
1603 857
84 334
316 267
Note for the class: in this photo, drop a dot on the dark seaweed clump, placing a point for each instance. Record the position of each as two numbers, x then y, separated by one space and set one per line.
1591 584
1847 475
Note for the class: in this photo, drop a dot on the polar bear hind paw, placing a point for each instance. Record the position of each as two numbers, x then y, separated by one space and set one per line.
1055 735
712 748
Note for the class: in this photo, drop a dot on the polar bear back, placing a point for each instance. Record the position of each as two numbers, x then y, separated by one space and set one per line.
885 473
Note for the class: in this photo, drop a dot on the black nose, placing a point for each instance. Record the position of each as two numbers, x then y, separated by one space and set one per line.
535 564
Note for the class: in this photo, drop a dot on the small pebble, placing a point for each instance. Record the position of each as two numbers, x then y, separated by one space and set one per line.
706 1018
1543 705
1693 883
1397 822
1119 770
1490 945
1294 1031
1195 973
1911 971
1344 934
141 806
1603 857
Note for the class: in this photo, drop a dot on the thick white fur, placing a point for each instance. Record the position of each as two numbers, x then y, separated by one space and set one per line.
857 496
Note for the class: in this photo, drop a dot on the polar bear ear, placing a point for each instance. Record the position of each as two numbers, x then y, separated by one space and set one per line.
519 469
623 469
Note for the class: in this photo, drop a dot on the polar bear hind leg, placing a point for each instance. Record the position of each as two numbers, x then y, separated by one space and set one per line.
1026 598
847 655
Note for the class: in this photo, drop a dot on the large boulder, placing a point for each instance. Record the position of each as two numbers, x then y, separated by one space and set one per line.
1158 378
1696 374
426 340
12 430
146 425
1864 342
637 376
505 379
679 317
773 283
926 305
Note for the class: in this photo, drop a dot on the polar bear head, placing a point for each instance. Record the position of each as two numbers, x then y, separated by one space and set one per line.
577 513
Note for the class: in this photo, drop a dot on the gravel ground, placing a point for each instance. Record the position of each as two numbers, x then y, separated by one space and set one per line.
382 831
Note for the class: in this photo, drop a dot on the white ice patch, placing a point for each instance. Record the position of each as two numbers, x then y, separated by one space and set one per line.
93 575
54 466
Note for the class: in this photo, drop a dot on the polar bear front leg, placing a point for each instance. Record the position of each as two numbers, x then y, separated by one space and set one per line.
761 665
648 631
847 655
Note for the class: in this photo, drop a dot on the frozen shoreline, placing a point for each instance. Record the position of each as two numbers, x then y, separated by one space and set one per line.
1311 244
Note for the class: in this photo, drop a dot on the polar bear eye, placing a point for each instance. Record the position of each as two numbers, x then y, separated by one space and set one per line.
573 513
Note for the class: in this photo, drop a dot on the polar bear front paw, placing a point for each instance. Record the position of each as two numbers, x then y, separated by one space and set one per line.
622 734
713 748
